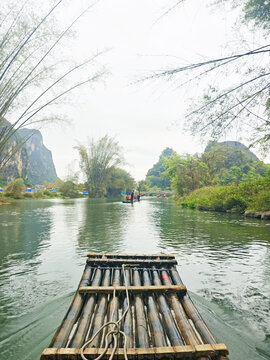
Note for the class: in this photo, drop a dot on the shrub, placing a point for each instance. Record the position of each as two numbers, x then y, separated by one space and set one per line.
235 203
28 195
261 202
49 193
15 189
251 195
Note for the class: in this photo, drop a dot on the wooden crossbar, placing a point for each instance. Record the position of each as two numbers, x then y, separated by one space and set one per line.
130 256
178 352
138 262
151 288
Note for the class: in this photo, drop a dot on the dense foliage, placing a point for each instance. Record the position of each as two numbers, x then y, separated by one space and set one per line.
220 165
226 177
250 195
154 175
15 189
119 180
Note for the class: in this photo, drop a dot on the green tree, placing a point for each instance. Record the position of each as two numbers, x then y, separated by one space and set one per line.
154 175
219 165
15 189
144 185
97 160
119 180
187 173
68 189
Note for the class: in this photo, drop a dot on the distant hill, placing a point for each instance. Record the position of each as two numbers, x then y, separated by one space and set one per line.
231 146
32 162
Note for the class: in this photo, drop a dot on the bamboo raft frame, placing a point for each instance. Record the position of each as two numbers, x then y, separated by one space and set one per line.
162 323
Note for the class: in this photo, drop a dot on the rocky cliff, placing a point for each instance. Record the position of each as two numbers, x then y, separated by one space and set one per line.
40 166
32 160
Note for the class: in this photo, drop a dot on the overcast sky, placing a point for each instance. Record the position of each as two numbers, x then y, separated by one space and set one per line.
146 117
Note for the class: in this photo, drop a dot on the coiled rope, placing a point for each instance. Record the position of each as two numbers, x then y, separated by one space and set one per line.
114 328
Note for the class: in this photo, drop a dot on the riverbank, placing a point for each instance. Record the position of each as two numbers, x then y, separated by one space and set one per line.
251 198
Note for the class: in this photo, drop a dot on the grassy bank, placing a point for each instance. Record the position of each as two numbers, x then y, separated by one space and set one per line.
6 198
246 196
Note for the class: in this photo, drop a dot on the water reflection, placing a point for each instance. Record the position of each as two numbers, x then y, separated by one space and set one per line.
22 225
225 258
103 226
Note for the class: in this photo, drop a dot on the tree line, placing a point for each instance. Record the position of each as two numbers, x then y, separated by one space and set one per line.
100 162
223 178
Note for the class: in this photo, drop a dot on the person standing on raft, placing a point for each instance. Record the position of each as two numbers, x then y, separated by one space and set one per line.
131 196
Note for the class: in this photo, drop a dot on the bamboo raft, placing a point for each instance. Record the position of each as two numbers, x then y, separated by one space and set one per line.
162 322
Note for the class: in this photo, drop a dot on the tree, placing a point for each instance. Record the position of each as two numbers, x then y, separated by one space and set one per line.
220 165
31 80
119 180
154 175
15 188
244 103
68 189
187 173
97 160
144 185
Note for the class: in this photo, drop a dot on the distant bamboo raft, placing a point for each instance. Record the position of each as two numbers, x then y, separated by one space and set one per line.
162 323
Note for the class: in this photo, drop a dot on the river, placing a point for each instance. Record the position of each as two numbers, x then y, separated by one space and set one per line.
224 260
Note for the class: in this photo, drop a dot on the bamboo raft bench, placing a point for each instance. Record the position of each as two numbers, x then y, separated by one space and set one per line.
161 322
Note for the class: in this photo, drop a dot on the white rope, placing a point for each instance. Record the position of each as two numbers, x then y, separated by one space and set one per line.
114 328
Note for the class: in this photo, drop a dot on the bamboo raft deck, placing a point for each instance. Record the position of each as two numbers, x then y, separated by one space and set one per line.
162 322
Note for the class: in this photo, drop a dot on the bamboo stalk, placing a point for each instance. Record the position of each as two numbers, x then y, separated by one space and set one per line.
142 338
130 256
193 313
180 315
176 352
168 321
86 315
158 336
128 326
114 302
140 289
100 312
61 336
139 262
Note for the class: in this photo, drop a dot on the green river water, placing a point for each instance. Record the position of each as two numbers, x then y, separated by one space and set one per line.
224 260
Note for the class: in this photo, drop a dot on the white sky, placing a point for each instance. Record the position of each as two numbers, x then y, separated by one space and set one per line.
141 116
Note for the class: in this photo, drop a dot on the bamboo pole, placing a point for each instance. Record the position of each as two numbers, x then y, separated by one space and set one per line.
130 256
114 301
61 336
132 289
142 338
176 352
180 315
86 315
138 262
128 325
168 321
158 336
100 312
193 313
